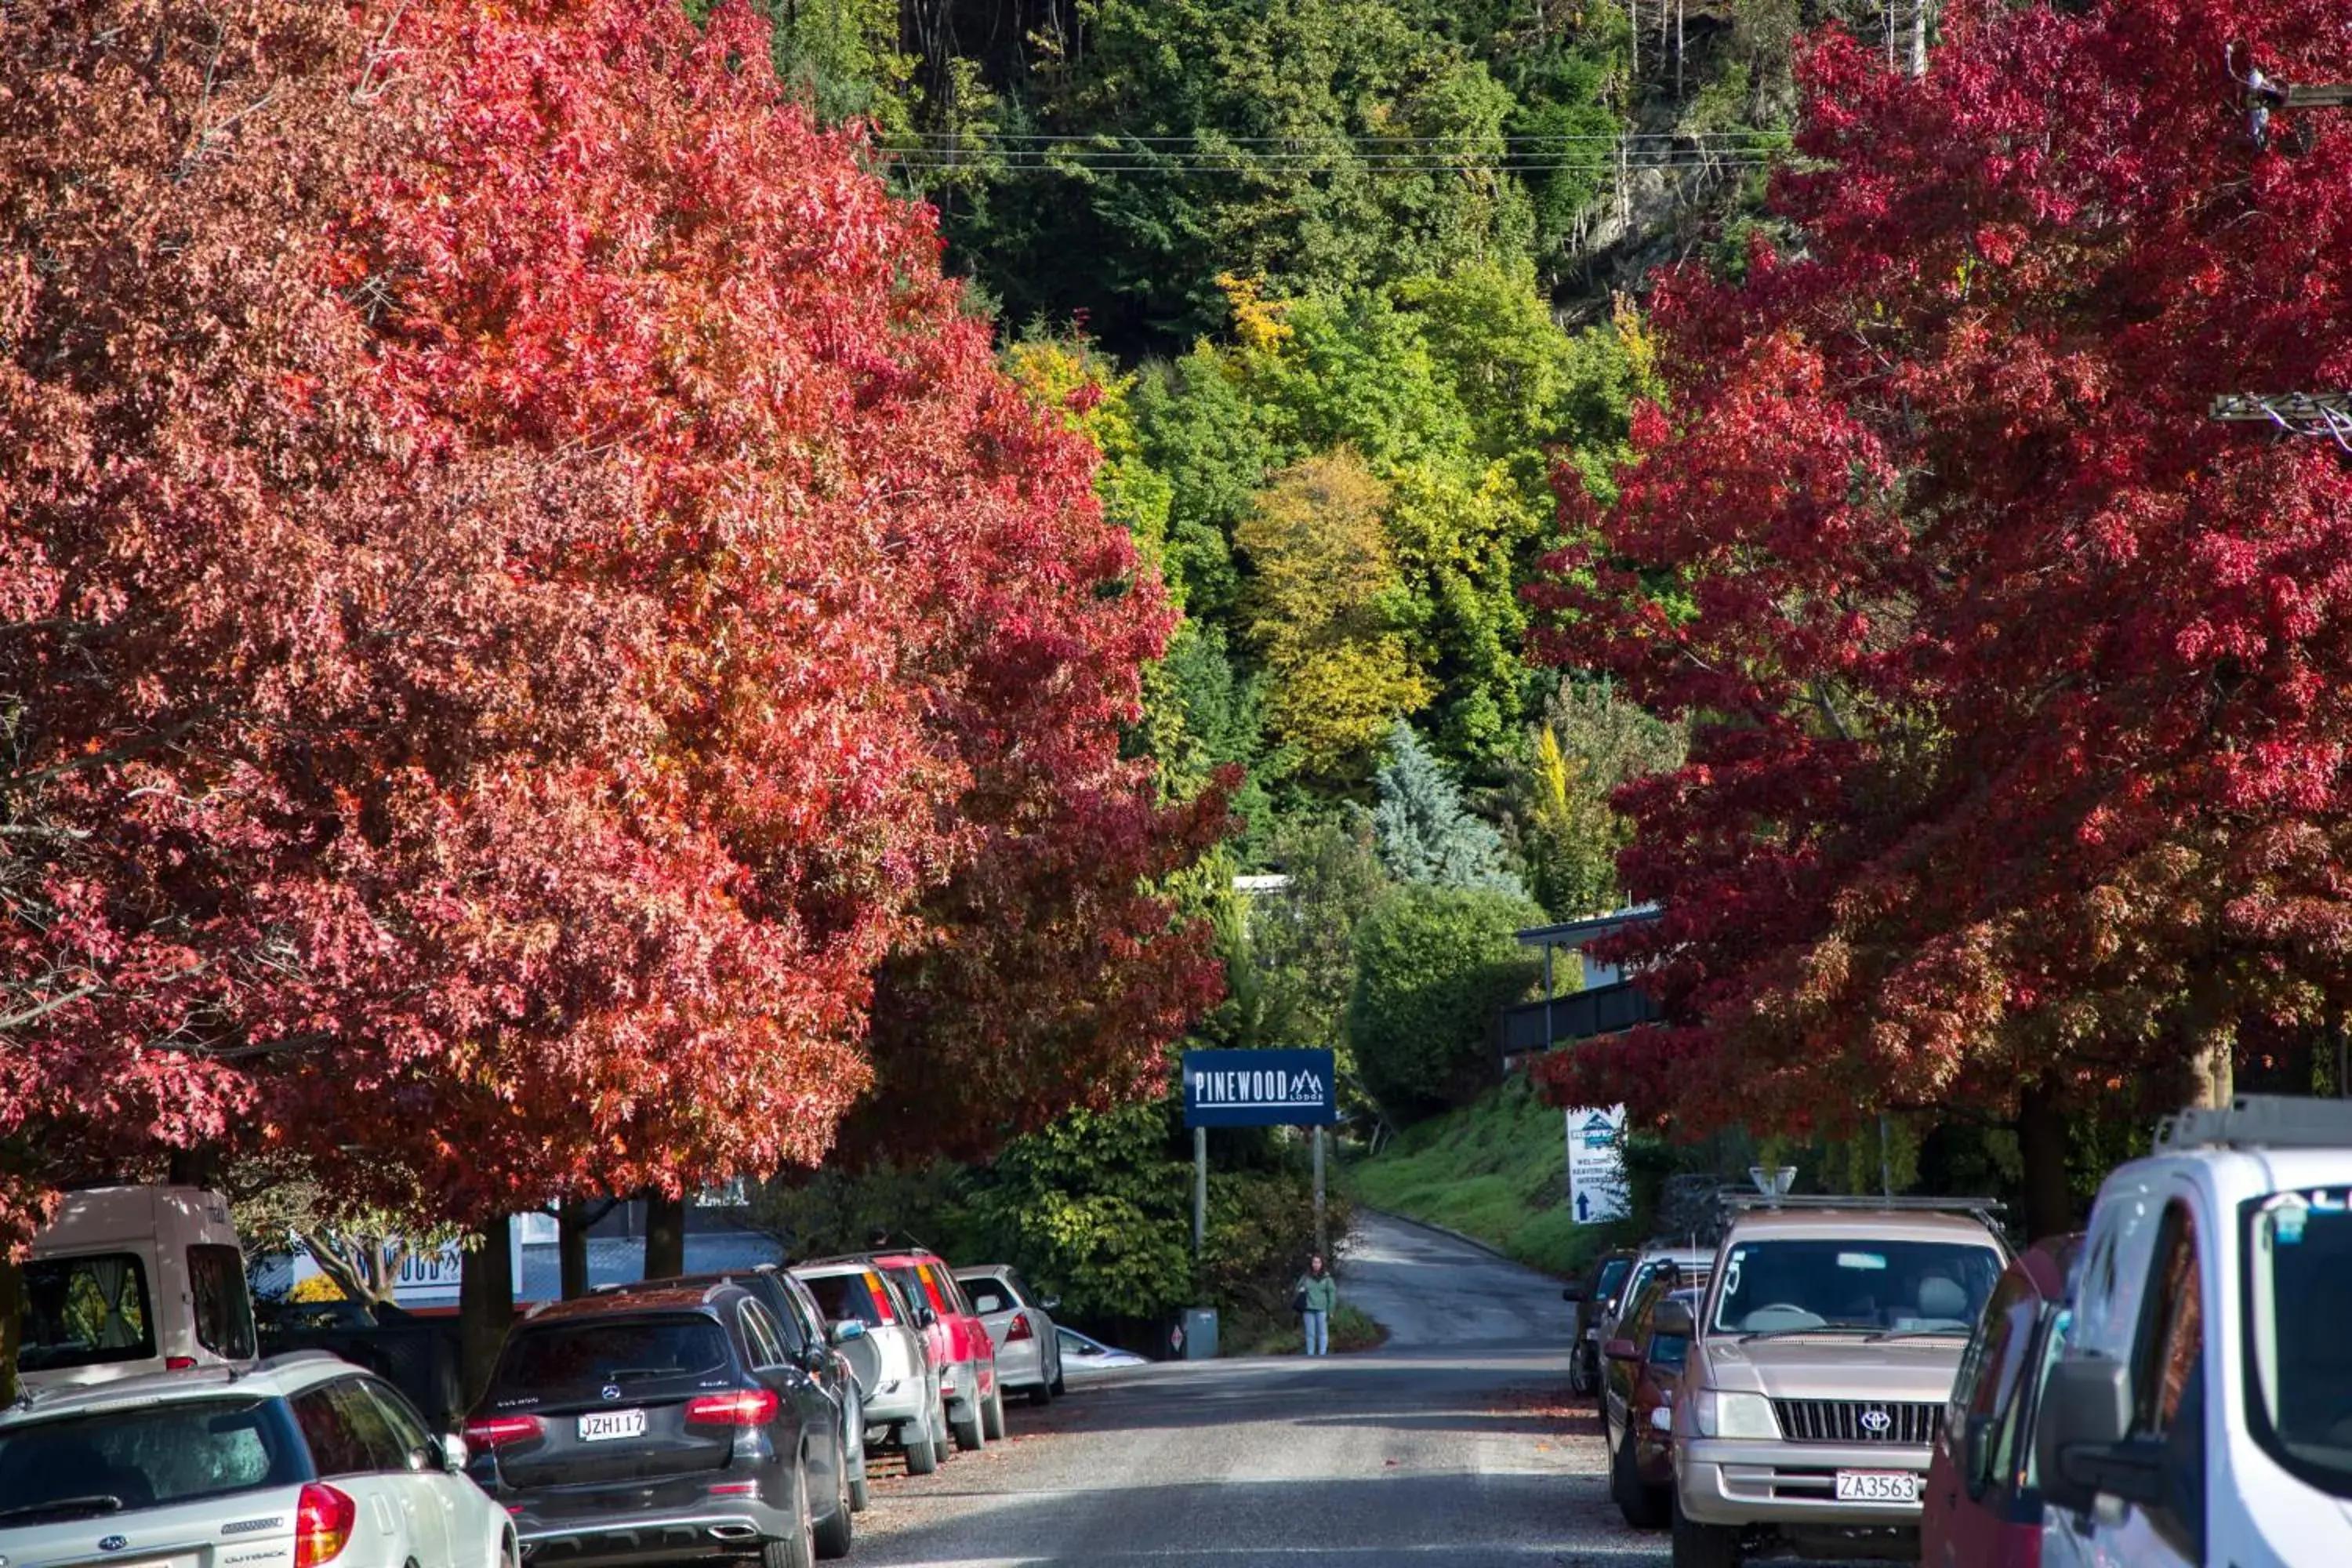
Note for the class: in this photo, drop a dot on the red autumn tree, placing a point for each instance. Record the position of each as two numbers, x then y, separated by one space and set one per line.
518 575
2022 688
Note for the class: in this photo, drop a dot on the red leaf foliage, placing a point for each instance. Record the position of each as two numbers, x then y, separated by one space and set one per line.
2023 688
517 577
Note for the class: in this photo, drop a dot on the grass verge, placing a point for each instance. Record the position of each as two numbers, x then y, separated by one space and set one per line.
1352 1329
1495 1170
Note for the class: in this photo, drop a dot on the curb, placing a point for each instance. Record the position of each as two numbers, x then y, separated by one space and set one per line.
1489 1248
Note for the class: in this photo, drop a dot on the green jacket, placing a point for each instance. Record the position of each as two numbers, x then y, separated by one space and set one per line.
1322 1295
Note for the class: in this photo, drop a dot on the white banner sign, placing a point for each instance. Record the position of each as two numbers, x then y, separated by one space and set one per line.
1596 1165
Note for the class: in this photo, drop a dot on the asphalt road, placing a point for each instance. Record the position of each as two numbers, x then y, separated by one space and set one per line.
1455 1443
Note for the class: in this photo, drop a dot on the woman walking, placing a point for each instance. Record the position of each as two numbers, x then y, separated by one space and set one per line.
1316 1293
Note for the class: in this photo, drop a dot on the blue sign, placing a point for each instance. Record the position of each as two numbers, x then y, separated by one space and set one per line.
1260 1089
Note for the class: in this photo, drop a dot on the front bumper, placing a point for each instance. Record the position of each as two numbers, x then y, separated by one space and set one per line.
1724 1481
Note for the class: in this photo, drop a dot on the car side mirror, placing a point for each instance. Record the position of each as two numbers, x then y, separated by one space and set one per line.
1673 1318
1975 1453
842 1333
455 1455
1622 1350
2086 1411
925 1318
1572 1292
1049 1304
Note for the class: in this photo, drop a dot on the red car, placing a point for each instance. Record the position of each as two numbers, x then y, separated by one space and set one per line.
1982 1506
1641 1370
965 1355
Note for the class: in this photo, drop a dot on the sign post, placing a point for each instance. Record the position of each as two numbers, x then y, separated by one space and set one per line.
1255 1089
1596 1165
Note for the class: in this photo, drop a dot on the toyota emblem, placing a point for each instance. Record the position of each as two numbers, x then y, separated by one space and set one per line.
113 1543
1876 1422
612 1391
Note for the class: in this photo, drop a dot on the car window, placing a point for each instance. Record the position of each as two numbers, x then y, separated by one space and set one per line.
988 1294
2169 1379
844 1298
775 1304
1797 1286
1994 1333
2015 1431
1610 1273
2298 1387
760 1330
558 1355
336 1449
148 1455
408 1430
222 1304
808 1321
85 1311
945 1292
912 1286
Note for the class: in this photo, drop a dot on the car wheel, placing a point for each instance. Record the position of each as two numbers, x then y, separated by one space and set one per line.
970 1429
1704 1545
797 1550
1042 1395
1635 1499
833 1534
1580 1379
1057 1385
922 1454
991 1416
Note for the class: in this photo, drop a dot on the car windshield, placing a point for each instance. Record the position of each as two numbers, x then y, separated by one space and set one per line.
1611 1273
85 1311
563 1355
116 1462
2299 1385
1897 1287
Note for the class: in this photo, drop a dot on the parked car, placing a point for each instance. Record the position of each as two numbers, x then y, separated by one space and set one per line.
1817 1371
895 1371
1982 1506
301 1460
966 1355
1083 1357
133 1279
2201 1409
1591 1296
811 1343
665 1424
1664 1266
1021 1325
1641 1370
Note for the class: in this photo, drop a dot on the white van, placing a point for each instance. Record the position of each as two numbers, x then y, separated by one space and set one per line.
2202 1413
133 1279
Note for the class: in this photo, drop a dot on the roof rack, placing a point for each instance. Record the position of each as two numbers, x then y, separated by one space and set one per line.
1864 1205
2259 1121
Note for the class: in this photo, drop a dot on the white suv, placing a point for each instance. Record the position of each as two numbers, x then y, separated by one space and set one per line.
304 1461
2203 1410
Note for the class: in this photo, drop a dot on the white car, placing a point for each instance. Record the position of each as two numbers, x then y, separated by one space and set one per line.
303 1461
2201 1411
1021 1325
1084 1358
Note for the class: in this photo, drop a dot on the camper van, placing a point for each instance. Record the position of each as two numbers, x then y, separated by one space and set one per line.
133 1279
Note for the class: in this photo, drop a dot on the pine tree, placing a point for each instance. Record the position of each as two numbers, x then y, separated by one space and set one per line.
1424 833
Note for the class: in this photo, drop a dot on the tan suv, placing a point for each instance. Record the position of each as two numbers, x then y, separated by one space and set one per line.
1819 1363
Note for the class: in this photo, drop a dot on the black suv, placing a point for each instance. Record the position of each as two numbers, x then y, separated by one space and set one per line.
661 1425
811 1342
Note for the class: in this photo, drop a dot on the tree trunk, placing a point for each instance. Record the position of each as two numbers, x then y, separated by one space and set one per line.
665 1236
484 1307
2049 1197
2215 1068
571 1248
12 1322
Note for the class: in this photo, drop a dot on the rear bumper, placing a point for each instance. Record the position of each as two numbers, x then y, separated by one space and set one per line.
672 1537
1792 1485
1021 1363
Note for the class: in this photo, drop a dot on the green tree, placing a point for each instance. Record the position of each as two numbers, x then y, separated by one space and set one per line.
1432 965
1327 611
1308 934
1424 833
1566 831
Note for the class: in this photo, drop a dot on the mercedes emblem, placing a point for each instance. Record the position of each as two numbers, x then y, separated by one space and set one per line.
612 1391
1876 1422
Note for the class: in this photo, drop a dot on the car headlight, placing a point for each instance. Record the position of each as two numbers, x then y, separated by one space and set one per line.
1721 1414
1661 1418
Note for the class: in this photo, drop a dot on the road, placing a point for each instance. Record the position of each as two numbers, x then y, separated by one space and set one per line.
1452 1444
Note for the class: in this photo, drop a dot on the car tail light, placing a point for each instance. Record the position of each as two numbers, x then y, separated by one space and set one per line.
178 1362
1020 1329
497 1431
744 1407
881 1299
323 1517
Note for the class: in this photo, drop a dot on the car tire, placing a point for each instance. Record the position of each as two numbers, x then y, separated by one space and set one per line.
1699 1545
922 1454
1058 1386
794 1550
1579 1380
1643 1509
835 1533
971 1429
991 1416
1042 1395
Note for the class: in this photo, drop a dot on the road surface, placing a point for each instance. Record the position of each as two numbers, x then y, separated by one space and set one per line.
1454 1443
